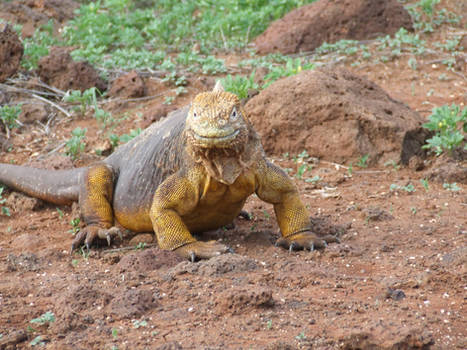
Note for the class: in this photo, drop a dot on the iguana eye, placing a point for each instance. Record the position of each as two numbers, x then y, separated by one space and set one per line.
234 114
195 115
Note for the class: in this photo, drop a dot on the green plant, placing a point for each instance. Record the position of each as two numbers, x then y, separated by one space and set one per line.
291 67
363 161
47 317
86 99
4 210
451 187
392 163
314 179
301 336
9 116
240 85
37 341
38 45
408 188
74 226
140 246
139 323
425 184
75 144
450 125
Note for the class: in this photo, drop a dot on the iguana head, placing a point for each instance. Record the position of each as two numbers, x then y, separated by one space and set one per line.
216 120
219 135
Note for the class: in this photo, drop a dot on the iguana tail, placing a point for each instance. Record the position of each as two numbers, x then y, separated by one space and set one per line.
54 186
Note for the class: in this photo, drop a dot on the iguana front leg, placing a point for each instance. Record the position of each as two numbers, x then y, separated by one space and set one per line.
95 201
274 186
176 196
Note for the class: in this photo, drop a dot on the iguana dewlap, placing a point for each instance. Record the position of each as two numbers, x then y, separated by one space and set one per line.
188 173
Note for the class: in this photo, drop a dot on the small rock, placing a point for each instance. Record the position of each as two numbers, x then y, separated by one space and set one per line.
416 163
20 202
142 238
395 294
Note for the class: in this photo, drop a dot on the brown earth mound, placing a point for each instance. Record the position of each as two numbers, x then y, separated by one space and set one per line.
58 69
34 13
337 116
11 52
307 27
128 86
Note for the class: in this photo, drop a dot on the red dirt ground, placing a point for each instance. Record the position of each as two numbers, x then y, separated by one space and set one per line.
397 280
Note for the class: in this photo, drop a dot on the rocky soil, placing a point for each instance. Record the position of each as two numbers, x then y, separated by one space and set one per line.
397 279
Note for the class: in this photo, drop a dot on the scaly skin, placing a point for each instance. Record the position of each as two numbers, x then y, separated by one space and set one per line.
190 173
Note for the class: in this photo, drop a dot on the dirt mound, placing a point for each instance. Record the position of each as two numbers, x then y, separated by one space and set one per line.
34 13
148 260
58 69
335 115
307 27
448 170
216 266
11 52
237 300
132 303
128 85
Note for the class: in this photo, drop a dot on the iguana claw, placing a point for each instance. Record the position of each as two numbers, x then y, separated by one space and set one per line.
88 235
202 250
305 240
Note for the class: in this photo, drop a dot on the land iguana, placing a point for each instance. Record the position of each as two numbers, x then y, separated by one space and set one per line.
189 173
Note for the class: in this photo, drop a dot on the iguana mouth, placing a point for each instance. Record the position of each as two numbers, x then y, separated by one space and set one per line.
220 139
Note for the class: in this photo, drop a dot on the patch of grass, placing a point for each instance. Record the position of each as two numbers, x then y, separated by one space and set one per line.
74 226
425 184
451 187
9 116
450 126
47 317
408 188
119 33
363 161
291 67
85 99
38 45
240 85
75 145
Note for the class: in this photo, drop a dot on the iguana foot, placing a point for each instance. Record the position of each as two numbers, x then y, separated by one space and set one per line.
90 233
306 240
202 250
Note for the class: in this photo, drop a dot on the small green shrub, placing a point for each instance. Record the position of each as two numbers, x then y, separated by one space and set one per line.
75 144
38 46
450 126
9 116
239 85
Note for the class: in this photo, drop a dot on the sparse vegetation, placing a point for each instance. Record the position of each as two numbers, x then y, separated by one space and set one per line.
75 145
450 126
9 116
4 209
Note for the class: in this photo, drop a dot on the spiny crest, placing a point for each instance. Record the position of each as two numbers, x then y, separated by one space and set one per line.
216 98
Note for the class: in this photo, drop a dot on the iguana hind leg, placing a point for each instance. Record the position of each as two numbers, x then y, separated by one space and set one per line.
95 201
